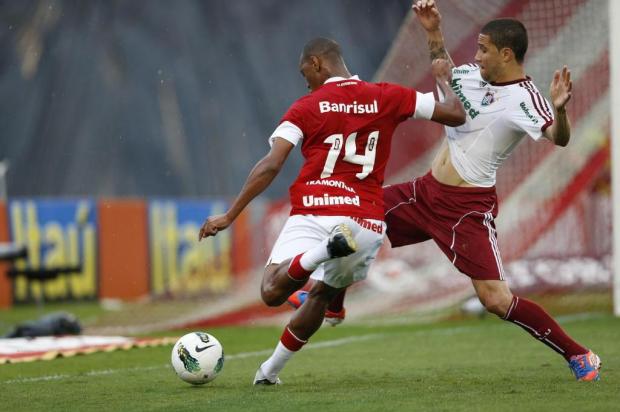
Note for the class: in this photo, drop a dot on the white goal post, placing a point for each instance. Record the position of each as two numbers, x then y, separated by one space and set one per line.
614 83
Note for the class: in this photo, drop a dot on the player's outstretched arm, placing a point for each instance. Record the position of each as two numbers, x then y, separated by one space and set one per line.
430 19
560 91
450 111
261 176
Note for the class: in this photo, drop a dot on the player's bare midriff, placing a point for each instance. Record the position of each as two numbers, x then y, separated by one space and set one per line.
443 170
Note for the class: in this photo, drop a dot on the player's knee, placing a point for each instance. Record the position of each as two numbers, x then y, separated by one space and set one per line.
494 307
270 297
495 303
269 292
265 296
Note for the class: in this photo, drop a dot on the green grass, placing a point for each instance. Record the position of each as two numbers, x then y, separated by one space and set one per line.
458 365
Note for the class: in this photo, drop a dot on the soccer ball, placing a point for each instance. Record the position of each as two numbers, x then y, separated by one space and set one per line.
197 358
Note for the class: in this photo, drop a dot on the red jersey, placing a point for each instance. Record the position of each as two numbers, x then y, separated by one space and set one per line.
347 128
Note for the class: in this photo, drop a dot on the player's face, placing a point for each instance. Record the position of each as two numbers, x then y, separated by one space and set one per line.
312 76
488 58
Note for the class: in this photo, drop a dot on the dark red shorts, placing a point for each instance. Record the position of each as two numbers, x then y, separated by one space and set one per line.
458 219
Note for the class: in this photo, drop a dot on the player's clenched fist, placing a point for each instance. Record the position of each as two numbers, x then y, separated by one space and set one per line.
214 224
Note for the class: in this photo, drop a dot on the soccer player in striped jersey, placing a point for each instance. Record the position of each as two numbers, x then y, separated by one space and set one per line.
455 203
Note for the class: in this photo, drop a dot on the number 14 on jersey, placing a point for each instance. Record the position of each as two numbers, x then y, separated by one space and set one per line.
367 160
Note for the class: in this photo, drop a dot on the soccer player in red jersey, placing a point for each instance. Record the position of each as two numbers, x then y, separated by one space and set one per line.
344 127
455 203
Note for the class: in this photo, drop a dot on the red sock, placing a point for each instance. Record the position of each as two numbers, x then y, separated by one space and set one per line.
296 271
290 341
540 325
337 303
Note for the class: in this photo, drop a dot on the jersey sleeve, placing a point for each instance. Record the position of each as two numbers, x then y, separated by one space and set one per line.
411 103
532 113
425 106
287 131
291 125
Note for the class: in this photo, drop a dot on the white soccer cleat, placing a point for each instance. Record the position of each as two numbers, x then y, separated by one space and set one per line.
261 379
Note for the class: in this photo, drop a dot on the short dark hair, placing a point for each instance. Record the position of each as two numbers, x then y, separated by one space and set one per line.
322 46
509 33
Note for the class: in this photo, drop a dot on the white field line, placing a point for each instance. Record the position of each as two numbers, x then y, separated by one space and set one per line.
309 346
242 355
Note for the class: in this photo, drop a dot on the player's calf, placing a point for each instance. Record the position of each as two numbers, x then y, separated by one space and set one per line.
335 312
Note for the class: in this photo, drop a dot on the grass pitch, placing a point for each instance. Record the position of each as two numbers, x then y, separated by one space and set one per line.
460 365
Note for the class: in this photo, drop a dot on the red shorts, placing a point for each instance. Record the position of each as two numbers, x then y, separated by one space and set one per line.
458 219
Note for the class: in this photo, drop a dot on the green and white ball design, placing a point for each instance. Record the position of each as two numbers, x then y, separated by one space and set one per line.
197 358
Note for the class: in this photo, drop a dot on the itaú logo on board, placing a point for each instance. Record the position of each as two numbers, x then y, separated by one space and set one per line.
326 200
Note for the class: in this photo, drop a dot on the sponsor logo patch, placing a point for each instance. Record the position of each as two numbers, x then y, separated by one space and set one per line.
488 98
330 183
198 349
355 107
327 200
458 90
529 115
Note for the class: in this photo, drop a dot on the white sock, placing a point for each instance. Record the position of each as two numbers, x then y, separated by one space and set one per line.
272 366
312 258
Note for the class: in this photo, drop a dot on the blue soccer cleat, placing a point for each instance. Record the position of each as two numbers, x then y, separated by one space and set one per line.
585 367
297 298
333 318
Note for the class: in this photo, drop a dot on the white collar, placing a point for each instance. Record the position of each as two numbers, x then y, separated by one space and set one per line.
339 79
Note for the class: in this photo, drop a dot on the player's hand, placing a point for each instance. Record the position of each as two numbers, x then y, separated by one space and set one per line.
428 14
561 88
442 70
214 224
